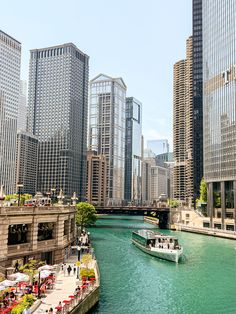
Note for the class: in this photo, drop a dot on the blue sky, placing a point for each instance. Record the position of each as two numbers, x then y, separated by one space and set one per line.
139 40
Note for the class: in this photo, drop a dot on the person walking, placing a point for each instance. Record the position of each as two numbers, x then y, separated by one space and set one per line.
64 269
50 311
74 269
69 269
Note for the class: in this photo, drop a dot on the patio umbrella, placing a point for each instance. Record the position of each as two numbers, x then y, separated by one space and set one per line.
19 277
8 283
43 274
46 267
2 288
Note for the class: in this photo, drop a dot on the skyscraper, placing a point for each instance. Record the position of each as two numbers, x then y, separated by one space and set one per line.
27 161
22 108
158 146
107 130
219 74
96 178
183 128
133 142
10 60
197 96
57 115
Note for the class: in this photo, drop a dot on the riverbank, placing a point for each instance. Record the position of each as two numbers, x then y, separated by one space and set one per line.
151 220
207 231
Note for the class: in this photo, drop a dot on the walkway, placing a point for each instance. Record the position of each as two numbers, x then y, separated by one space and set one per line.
64 286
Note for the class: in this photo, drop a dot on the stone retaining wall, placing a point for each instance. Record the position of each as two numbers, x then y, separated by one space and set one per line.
87 303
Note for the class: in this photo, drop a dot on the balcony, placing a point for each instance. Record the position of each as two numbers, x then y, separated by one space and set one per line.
46 244
18 248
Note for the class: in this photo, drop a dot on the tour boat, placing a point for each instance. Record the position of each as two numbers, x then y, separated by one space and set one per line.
157 244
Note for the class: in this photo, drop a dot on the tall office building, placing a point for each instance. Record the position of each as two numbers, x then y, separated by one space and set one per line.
133 151
96 178
57 115
10 61
27 161
197 97
22 108
219 76
159 183
107 130
158 146
183 128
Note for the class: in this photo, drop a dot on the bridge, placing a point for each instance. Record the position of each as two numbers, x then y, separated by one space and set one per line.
162 213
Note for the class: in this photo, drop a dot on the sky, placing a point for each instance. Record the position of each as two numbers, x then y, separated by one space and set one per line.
138 40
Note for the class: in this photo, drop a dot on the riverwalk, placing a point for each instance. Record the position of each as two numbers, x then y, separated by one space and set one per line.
64 287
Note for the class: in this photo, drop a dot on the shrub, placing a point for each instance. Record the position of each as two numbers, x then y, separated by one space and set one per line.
27 301
87 272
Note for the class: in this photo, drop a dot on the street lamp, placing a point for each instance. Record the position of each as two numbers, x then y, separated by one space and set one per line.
19 186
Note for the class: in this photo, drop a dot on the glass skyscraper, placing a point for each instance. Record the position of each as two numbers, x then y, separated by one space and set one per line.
57 115
10 61
197 140
133 135
219 79
107 130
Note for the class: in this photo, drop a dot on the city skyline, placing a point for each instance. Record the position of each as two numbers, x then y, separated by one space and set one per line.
149 81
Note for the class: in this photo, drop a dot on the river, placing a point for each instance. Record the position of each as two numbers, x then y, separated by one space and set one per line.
133 282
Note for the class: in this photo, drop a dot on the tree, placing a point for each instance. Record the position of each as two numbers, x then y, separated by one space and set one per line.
86 215
203 191
31 268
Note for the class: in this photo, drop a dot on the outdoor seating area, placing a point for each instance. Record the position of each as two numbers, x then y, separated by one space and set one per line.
22 290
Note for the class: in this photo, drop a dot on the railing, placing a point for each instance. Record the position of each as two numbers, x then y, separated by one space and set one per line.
206 230
24 210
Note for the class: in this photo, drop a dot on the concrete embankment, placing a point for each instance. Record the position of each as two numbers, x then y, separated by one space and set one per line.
207 231
150 220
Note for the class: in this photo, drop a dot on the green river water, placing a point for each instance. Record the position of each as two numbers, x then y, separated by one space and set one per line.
134 282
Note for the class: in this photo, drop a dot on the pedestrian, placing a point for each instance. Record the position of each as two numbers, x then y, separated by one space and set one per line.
16 266
64 269
74 269
69 269
50 311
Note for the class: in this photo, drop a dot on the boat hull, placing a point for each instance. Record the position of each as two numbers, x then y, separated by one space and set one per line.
169 255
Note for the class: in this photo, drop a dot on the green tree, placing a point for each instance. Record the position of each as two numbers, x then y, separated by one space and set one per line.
203 191
173 203
23 197
31 268
86 215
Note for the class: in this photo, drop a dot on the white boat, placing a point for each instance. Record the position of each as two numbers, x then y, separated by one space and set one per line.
158 245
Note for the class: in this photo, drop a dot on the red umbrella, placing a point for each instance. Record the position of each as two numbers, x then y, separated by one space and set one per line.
58 307
71 296
66 301
83 287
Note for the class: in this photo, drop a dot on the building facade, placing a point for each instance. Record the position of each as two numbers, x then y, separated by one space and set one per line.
22 108
183 186
42 233
133 151
57 115
96 178
146 182
158 146
27 161
219 73
10 61
107 130
197 101
159 183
